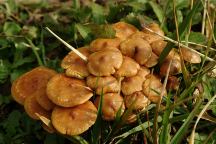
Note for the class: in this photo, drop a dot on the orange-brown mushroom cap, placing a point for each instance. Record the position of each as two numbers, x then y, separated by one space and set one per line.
103 84
154 27
34 81
175 67
136 48
104 63
190 56
32 108
124 30
152 88
128 68
112 102
68 92
74 65
152 61
74 120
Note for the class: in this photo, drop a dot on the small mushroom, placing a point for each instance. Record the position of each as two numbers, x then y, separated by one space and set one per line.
74 65
128 68
74 120
190 56
124 30
104 44
34 81
152 88
172 83
104 63
136 101
111 104
154 27
131 118
150 38
68 92
134 83
175 67
32 108
138 49
152 61
103 84
158 46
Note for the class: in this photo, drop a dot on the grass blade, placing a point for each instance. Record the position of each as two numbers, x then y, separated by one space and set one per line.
157 10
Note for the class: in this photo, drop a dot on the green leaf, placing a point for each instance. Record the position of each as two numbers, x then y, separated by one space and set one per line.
30 31
23 61
157 10
4 70
102 31
98 13
197 37
84 31
11 6
11 28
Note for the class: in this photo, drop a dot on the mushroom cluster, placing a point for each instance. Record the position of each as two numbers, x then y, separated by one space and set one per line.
118 70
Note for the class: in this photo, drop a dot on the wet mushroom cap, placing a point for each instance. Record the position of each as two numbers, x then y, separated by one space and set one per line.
158 46
104 44
138 49
68 92
175 67
136 101
128 68
44 101
103 84
104 63
152 88
190 56
74 65
112 102
172 83
74 120
34 81
154 27
152 61
32 107
124 30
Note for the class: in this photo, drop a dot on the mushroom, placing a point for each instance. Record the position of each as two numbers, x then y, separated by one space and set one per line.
34 81
74 65
128 68
104 44
136 48
111 104
131 118
68 92
74 120
134 83
136 101
175 67
103 84
104 63
124 30
152 61
172 83
32 108
190 56
154 27
158 46
152 88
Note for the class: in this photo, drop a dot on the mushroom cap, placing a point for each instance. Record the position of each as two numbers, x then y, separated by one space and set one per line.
136 101
68 92
44 101
175 67
103 84
158 46
32 107
152 61
112 102
74 65
104 63
131 118
123 30
34 81
134 83
150 38
104 44
190 56
74 120
154 27
128 68
152 88
172 83
136 48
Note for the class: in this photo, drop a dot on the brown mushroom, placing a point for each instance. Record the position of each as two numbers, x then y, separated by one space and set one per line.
131 118
134 83
138 49
172 83
104 63
124 30
154 27
103 84
152 61
34 81
152 88
112 102
74 65
68 92
136 101
128 68
74 120
190 56
104 44
175 67
32 108
158 46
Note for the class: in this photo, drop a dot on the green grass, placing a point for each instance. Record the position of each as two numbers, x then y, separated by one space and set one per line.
24 44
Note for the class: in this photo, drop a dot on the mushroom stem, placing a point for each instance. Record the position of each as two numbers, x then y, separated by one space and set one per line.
182 45
68 45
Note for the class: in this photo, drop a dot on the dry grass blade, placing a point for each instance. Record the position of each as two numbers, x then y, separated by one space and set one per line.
45 120
67 45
